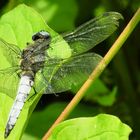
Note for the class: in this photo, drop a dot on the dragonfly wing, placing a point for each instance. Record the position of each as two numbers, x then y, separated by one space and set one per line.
9 81
61 75
10 51
93 32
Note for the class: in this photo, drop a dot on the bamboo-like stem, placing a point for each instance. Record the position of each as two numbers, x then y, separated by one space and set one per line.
98 70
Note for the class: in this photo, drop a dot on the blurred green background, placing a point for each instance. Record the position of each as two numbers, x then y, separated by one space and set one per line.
117 92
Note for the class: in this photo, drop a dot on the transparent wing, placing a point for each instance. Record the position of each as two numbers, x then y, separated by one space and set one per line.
92 32
11 52
9 81
60 75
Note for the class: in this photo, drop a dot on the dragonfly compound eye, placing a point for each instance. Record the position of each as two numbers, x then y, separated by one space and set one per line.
41 35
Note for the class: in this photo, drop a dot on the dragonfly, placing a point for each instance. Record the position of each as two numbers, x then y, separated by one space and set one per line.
32 67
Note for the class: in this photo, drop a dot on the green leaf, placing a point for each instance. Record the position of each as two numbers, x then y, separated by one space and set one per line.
55 12
22 22
17 27
107 99
51 112
101 94
29 137
98 92
101 127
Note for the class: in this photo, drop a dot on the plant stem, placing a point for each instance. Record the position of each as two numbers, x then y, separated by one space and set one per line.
98 70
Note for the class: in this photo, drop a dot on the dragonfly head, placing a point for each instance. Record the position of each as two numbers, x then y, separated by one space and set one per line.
41 35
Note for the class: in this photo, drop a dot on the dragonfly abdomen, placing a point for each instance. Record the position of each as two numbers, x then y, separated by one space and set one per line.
25 85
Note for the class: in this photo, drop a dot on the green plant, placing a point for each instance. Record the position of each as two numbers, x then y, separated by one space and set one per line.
19 32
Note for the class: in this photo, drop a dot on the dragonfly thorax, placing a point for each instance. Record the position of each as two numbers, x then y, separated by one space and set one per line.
33 64
33 57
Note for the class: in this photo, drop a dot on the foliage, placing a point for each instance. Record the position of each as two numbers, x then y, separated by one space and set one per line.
118 88
92 128
14 36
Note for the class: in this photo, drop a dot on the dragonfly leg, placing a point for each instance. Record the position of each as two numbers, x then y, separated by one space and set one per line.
18 74
35 92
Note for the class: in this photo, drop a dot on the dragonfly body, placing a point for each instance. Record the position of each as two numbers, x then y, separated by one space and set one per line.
25 85
31 62
52 74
